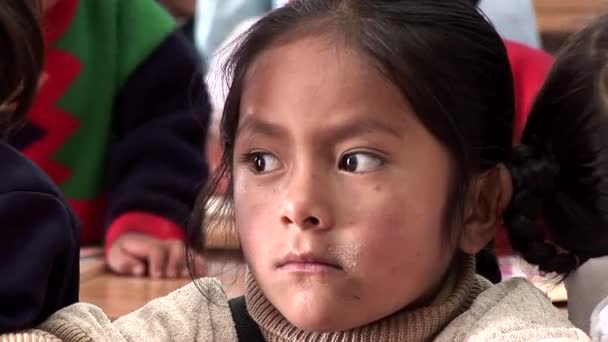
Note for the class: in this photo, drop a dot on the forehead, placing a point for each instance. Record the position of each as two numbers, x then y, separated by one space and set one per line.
317 76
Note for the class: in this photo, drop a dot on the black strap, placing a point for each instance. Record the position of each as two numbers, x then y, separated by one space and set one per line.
246 328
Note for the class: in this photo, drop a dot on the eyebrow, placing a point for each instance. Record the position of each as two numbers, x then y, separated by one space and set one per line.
361 127
255 126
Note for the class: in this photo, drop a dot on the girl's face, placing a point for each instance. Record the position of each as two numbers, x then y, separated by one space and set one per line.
339 190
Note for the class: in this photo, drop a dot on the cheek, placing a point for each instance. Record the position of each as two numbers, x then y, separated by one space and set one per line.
403 239
403 227
253 205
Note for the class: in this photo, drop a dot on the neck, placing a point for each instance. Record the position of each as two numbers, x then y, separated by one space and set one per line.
419 324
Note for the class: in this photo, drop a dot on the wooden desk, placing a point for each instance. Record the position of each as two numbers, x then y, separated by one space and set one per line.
567 15
118 295
557 19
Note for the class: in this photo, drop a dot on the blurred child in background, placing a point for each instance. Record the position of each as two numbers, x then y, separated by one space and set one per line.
116 127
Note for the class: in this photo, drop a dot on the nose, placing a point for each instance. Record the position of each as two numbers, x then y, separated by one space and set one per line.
307 202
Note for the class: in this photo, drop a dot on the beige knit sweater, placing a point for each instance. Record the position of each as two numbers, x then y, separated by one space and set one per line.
511 311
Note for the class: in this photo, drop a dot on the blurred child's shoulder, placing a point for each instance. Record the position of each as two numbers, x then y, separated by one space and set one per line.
511 310
19 174
198 311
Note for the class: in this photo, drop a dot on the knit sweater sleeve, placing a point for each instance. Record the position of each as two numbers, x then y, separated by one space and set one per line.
188 314
156 161
514 310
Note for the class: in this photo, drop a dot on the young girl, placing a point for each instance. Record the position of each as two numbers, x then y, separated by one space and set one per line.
529 68
367 146
38 233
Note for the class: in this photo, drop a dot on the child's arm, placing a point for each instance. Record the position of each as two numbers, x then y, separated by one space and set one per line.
39 245
188 314
157 162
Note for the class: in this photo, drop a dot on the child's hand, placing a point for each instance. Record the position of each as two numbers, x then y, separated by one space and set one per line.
140 255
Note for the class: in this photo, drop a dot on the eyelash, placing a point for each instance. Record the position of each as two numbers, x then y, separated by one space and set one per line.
248 158
366 152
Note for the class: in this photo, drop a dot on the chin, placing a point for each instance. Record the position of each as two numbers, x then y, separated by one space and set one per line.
314 325
321 319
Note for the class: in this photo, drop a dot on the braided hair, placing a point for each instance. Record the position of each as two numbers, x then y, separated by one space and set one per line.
558 217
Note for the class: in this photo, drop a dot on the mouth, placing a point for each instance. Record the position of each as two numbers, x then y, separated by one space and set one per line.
308 263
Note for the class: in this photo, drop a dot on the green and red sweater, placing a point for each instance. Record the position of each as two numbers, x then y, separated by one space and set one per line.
113 124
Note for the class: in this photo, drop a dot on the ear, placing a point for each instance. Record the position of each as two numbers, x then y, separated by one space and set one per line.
488 198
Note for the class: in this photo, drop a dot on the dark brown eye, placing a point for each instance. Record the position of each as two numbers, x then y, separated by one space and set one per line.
263 162
359 162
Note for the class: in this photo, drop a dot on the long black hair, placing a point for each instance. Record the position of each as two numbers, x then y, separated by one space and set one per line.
559 216
446 59
21 59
